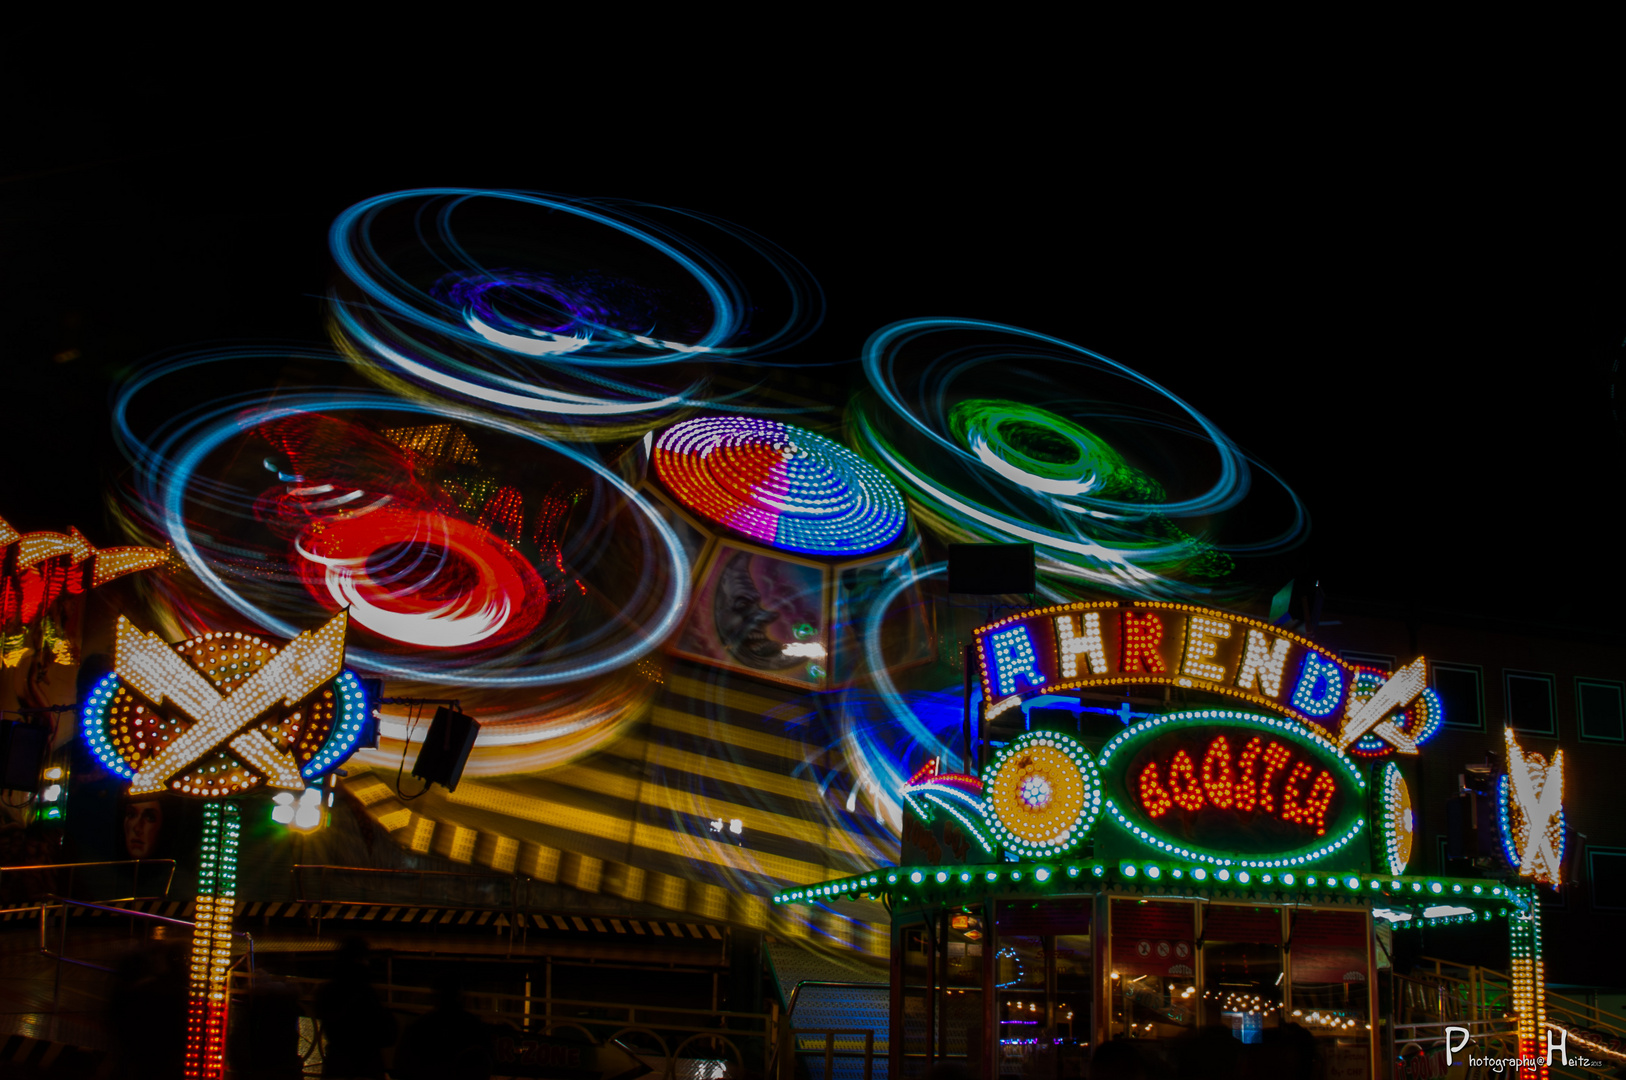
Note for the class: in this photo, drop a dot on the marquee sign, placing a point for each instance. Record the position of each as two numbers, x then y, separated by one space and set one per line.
1076 646
222 713
1233 788
1207 785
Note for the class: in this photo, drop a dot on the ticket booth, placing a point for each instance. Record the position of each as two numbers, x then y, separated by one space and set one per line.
1204 876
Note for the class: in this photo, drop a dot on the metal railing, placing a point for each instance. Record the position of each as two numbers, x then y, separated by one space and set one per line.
1443 993
424 878
63 904
831 1053
796 1035
671 1029
72 868
796 991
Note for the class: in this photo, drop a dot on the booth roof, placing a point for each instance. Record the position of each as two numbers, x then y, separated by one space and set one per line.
1406 900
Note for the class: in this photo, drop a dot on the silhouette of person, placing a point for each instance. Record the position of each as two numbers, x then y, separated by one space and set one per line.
147 1012
1119 1059
355 1024
264 1039
448 1043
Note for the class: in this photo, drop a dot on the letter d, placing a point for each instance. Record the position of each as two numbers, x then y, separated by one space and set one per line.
1562 1045
1449 1049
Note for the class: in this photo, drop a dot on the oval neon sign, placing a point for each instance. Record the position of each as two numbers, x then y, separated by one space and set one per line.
1233 789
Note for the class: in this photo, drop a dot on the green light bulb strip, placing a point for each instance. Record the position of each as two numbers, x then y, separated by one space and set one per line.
979 880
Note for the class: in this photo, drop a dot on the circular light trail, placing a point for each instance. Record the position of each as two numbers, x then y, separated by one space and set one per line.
996 433
383 580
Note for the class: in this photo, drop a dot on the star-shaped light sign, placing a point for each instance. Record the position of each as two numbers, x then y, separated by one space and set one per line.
221 713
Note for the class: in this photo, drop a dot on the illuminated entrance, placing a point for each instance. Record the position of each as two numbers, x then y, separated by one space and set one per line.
1214 868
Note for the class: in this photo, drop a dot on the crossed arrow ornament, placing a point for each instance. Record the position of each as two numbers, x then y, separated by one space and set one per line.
1538 798
1401 689
219 715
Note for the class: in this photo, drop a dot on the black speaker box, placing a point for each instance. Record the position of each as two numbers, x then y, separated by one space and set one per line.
990 569
446 750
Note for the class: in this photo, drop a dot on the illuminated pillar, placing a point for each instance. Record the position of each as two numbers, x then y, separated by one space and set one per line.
1528 982
211 943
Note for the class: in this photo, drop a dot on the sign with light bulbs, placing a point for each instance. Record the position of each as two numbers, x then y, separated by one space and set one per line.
1071 647
223 713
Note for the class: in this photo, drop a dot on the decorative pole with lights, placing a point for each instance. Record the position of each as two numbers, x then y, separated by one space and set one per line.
215 717
1530 805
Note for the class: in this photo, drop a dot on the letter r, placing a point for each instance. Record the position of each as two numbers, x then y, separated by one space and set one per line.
1449 1049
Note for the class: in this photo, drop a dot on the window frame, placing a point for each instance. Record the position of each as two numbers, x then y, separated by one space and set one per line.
1478 673
1592 878
1580 710
1508 674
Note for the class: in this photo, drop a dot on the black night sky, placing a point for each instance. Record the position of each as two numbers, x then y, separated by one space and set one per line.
1420 337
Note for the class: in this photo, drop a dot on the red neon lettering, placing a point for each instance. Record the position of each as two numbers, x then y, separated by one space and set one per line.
1217 780
1315 807
1152 796
1183 785
1141 638
1292 809
1276 758
1246 787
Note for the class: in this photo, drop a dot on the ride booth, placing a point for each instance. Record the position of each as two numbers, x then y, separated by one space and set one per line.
1215 861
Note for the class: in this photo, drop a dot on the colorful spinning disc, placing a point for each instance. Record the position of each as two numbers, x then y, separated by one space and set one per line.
782 485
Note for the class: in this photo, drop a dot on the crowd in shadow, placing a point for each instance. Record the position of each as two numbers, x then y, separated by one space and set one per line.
448 1042
149 999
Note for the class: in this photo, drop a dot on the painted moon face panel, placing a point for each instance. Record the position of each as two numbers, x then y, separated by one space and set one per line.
780 485
1043 793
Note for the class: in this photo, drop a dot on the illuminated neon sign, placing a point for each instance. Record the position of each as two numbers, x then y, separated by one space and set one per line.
1232 788
211 943
39 568
1042 794
1530 799
1076 646
222 713
1038 797
1395 821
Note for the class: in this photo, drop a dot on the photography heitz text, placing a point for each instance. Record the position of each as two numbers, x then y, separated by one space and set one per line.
1561 1045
